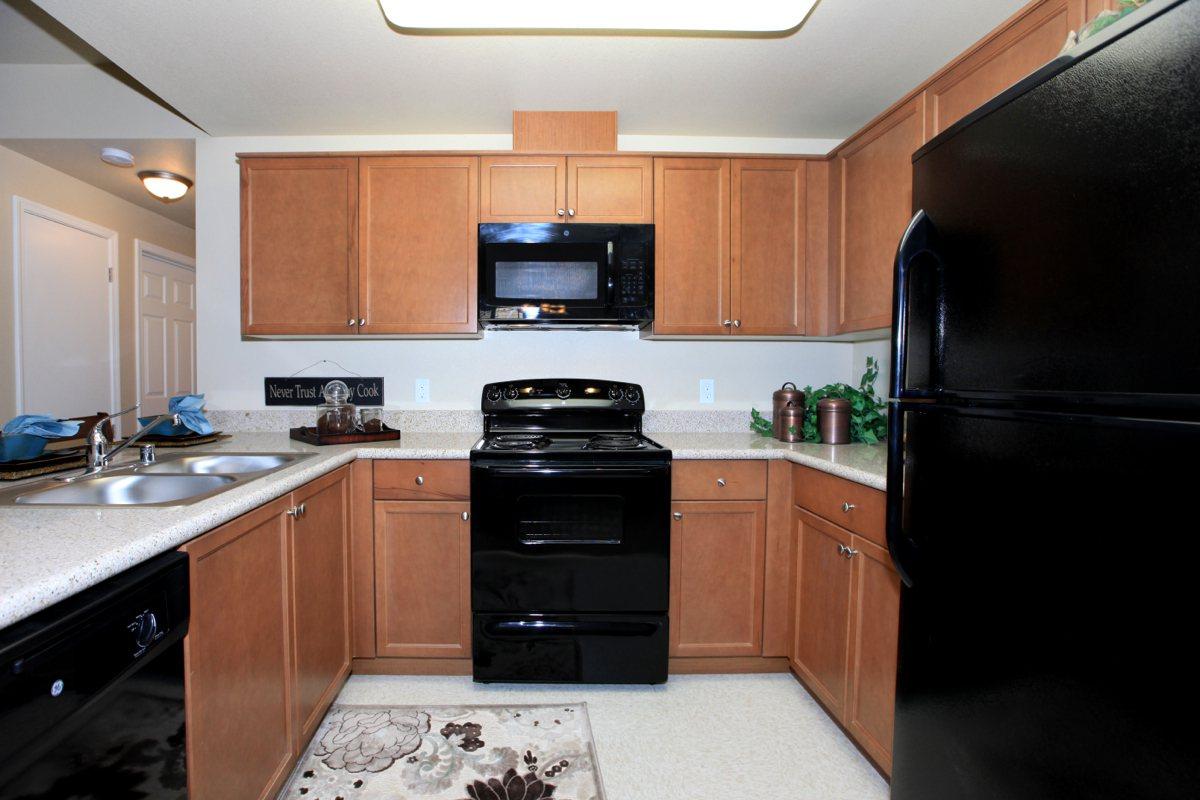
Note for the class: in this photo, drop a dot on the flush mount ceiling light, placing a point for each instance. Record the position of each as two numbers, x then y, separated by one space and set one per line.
166 186
116 156
746 17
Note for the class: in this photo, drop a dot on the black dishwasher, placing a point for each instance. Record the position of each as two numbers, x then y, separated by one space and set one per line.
91 691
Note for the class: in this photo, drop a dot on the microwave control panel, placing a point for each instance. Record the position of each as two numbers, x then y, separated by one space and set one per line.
632 281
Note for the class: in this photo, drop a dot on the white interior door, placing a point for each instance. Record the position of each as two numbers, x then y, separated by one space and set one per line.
166 312
65 314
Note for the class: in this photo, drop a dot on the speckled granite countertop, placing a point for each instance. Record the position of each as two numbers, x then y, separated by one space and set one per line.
50 553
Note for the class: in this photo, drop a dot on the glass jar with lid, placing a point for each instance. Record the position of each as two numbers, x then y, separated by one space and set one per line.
337 413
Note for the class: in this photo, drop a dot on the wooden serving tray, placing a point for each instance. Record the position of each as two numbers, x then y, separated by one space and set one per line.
310 436
46 463
158 440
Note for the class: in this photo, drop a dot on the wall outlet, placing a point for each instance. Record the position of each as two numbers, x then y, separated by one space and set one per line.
708 390
421 390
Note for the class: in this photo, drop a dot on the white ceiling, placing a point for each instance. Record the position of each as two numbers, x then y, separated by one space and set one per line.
28 35
307 67
80 158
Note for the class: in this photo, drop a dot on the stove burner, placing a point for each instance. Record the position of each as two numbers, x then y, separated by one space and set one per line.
615 441
518 441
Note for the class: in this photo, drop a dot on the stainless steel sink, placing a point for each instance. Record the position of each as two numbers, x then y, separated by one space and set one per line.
127 490
222 464
177 479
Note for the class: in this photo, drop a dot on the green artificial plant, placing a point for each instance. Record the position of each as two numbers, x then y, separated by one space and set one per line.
868 422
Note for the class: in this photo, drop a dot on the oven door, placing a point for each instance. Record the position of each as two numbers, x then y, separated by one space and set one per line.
570 538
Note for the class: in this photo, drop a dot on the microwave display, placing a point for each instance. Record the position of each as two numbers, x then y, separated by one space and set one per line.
563 274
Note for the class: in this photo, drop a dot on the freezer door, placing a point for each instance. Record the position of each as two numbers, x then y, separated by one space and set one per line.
1047 630
1067 257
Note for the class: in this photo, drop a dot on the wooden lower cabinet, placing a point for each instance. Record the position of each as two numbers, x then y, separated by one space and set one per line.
237 659
717 578
268 646
422 579
846 617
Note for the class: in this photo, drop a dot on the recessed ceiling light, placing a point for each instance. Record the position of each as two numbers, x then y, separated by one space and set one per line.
166 186
116 157
747 16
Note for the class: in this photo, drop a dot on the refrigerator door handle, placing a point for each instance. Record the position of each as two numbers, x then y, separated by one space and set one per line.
899 545
918 246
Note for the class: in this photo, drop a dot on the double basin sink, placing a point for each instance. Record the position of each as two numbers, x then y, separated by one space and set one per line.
175 480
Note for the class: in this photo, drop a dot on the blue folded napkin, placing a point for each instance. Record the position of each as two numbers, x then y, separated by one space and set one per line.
40 425
190 408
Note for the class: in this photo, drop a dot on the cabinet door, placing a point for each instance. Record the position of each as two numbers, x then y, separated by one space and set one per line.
875 171
610 189
523 189
822 611
320 597
1029 41
874 628
767 246
422 579
691 246
299 245
717 578
239 721
419 229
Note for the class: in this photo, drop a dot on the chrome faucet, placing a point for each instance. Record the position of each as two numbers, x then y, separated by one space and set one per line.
98 454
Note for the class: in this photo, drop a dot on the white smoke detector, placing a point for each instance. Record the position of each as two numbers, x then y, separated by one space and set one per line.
116 157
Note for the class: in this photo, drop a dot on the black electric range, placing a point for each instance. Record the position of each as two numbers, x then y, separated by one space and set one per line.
570 535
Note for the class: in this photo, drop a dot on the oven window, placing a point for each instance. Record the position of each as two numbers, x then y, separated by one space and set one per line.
547 280
551 519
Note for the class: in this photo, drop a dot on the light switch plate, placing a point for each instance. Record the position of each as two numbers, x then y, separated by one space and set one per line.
708 390
421 390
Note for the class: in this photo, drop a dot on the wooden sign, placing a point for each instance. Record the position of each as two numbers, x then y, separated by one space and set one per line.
308 391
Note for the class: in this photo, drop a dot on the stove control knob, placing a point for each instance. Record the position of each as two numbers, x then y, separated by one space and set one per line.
615 393
145 629
494 394
633 395
511 393
562 391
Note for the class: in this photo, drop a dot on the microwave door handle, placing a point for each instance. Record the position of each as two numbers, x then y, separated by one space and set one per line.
612 284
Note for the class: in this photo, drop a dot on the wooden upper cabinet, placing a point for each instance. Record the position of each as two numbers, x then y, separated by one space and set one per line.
522 189
418 233
691 246
1024 44
767 246
717 578
610 189
875 174
874 635
299 245
320 597
237 659
422 579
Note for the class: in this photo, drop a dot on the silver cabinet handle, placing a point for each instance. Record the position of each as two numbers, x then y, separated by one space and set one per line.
848 507
361 322
561 212
737 323
678 515
420 480
727 323
297 511
570 212
350 322
466 515
848 552
721 482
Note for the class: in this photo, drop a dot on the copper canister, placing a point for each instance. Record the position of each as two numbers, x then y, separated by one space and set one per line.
790 423
783 398
833 420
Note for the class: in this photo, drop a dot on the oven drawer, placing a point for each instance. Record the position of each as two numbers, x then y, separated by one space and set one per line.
719 480
562 648
422 480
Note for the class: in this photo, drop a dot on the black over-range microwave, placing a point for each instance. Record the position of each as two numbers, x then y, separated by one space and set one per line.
579 275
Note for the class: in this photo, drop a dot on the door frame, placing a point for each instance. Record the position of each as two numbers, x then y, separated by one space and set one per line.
23 206
141 246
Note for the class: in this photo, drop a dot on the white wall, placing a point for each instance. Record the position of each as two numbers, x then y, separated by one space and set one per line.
881 349
32 180
231 370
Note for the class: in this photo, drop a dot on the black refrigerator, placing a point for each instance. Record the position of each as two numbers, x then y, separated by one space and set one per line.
1044 433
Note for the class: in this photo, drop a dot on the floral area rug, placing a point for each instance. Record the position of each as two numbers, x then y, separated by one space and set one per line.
450 753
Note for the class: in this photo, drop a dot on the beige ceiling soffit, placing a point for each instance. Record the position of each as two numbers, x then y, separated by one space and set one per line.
565 131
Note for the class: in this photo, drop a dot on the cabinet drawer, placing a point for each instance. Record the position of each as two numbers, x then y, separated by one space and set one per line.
719 480
851 505
422 480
